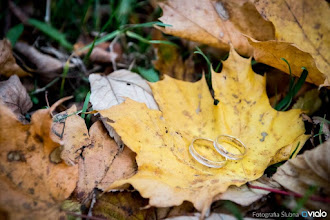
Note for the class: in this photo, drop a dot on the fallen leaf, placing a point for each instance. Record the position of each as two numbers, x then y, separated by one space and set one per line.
107 91
14 96
304 26
45 65
130 205
71 133
102 162
271 52
99 54
306 170
8 63
310 102
99 159
216 23
167 174
31 185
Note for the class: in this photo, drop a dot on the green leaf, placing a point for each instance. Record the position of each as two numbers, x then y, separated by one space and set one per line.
51 32
85 104
14 33
149 74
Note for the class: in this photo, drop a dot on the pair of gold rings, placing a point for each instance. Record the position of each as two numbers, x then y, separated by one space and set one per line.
218 144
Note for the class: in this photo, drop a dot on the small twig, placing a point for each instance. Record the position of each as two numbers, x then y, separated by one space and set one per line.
315 198
111 49
47 14
44 88
46 97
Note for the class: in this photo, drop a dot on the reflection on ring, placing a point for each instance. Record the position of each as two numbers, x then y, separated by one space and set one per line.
199 158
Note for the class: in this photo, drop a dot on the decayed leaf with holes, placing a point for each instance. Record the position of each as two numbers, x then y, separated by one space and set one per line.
302 29
107 91
167 174
306 170
8 65
216 23
14 95
32 186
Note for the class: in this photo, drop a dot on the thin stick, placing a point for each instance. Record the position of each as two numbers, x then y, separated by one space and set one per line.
315 198
46 87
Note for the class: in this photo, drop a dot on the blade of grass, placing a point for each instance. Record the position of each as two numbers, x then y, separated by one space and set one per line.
295 150
208 76
85 104
64 74
285 103
14 33
51 32
105 38
144 40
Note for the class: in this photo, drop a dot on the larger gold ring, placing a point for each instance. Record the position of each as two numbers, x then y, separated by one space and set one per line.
199 158
235 142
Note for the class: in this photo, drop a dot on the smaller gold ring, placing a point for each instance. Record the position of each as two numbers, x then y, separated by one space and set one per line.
199 158
232 141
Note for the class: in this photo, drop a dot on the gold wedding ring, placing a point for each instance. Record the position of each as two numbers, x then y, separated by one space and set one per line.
199 158
230 141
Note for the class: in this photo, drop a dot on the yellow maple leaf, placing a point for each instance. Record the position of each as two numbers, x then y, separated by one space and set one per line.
167 173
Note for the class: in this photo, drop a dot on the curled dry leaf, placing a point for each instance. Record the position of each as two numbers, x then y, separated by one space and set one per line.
8 65
306 170
107 91
302 29
13 94
167 173
99 54
32 186
216 23
47 66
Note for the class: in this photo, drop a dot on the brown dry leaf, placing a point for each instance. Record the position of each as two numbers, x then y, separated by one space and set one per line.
167 173
99 54
13 94
216 23
47 66
8 65
309 169
71 132
302 29
32 186
102 162
130 205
